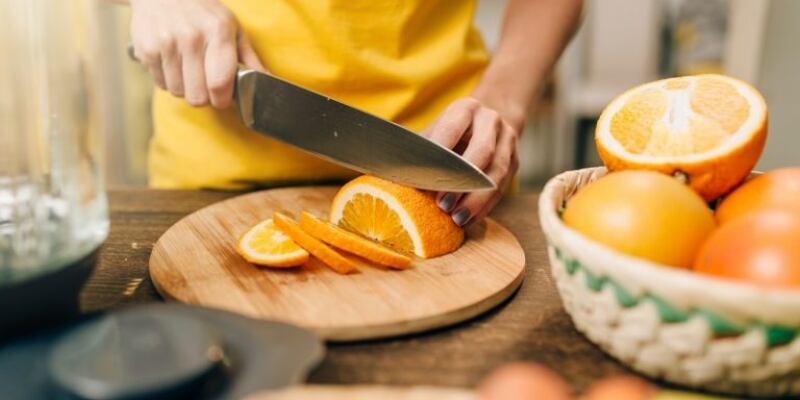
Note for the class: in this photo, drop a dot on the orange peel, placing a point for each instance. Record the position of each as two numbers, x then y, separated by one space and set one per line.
327 255
351 242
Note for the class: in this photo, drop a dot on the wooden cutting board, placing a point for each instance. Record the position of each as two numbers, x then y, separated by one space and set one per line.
195 262
365 392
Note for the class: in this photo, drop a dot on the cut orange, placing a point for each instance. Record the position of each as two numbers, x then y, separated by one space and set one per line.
348 241
329 256
710 129
403 218
264 244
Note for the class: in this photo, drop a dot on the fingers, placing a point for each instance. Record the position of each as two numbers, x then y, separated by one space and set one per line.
454 122
192 45
149 55
171 66
247 55
221 65
158 76
190 48
481 147
475 206
478 149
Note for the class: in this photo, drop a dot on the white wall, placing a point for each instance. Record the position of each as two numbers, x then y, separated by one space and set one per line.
489 19
537 143
780 82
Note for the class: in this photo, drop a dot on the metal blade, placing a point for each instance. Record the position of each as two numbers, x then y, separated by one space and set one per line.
351 137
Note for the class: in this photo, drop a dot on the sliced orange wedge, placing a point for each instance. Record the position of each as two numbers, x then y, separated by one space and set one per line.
403 218
327 255
351 242
264 244
709 129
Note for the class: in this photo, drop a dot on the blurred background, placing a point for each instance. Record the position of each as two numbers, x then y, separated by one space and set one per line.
621 43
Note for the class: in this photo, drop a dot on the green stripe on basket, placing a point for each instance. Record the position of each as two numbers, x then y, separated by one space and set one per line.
720 325
775 335
594 282
572 266
624 298
667 312
778 335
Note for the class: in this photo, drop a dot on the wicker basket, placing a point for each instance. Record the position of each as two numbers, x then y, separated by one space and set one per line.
668 323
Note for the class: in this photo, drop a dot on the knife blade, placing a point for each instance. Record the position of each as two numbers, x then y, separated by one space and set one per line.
348 136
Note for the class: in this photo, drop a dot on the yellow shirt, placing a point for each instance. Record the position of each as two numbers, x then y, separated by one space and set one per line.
403 60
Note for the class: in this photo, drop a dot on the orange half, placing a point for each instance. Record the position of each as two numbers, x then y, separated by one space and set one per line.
710 129
403 218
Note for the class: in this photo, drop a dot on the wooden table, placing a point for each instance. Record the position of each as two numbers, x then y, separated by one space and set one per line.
532 325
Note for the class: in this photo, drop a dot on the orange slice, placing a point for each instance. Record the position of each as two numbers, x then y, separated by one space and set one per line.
329 256
710 129
264 244
400 217
348 241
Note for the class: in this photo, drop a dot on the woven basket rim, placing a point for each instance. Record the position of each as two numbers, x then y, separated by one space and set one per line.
684 289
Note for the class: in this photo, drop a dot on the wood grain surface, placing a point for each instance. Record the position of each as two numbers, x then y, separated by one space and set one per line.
531 325
361 392
195 262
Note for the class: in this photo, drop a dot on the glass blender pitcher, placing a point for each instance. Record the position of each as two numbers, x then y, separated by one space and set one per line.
53 212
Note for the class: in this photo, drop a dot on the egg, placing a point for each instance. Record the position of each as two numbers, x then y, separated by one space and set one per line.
523 381
621 387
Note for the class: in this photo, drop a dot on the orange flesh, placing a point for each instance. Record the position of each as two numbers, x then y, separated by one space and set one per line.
266 243
352 242
330 257
371 217
717 112
273 247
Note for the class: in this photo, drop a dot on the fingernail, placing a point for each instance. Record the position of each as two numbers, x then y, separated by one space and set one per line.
461 217
446 202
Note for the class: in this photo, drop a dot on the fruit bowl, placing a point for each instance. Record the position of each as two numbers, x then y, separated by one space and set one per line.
669 323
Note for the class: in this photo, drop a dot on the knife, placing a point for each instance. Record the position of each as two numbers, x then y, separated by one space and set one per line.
348 136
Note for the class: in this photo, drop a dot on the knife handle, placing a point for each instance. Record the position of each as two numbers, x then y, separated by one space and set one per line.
132 52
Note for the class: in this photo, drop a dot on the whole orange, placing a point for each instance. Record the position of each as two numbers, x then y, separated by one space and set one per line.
775 189
642 213
761 247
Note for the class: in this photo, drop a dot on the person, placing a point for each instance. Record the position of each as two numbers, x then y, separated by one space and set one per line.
420 63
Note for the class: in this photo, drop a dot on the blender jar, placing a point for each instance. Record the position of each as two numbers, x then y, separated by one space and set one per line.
53 210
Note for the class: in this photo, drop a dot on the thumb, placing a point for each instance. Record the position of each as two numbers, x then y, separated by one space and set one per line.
247 55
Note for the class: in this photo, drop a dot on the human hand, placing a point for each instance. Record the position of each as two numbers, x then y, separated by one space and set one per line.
483 138
191 47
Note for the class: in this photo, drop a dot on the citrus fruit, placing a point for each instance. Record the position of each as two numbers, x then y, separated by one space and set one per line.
264 244
775 189
710 129
351 242
327 255
760 247
644 214
403 218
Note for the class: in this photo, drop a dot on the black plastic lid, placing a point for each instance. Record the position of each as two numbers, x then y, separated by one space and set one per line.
137 354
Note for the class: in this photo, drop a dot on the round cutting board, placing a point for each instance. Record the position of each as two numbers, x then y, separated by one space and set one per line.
365 392
195 262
